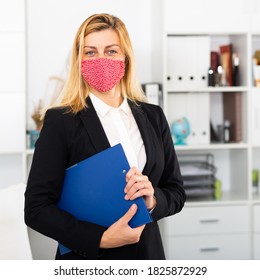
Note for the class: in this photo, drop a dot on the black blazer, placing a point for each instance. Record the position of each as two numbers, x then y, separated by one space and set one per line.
66 139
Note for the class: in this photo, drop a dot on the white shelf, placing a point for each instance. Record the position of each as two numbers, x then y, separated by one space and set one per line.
208 89
228 146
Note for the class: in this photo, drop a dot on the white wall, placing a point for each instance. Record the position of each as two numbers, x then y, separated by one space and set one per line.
12 90
51 27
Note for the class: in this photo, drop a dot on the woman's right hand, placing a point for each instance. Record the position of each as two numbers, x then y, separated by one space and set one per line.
120 233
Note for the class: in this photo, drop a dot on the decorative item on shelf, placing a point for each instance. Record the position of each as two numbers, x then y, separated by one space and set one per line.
256 68
33 136
224 132
236 80
36 115
180 129
217 189
34 133
211 78
44 102
255 181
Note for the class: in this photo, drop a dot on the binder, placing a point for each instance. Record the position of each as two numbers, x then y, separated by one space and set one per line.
93 191
196 108
188 61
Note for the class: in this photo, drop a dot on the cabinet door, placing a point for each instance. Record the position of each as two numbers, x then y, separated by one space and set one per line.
209 220
257 246
207 16
256 212
12 122
209 247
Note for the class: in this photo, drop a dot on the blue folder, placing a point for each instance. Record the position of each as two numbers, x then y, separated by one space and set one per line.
93 191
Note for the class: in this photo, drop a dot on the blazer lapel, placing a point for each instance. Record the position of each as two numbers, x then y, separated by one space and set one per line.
99 139
144 128
94 127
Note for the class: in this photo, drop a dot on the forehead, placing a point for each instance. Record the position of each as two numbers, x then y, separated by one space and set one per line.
102 38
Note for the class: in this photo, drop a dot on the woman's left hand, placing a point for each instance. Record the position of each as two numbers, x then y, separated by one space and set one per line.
138 185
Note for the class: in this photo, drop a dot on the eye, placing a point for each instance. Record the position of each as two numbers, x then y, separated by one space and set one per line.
89 53
112 52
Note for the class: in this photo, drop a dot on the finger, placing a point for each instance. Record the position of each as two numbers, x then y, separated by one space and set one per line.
136 183
129 214
133 170
134 179
141 193
136 187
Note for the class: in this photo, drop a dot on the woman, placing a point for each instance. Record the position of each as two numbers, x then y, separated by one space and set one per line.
103 105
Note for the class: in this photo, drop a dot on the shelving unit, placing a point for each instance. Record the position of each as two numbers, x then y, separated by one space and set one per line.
186 236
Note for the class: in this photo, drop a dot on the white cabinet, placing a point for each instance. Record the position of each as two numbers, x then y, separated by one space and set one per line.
213 247
209 233
256 233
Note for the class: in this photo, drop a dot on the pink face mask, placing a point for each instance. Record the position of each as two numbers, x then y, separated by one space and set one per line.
102 73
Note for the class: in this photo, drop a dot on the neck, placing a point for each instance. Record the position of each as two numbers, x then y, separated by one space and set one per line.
112 98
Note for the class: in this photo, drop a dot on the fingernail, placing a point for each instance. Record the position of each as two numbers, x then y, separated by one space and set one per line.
126 197
133 207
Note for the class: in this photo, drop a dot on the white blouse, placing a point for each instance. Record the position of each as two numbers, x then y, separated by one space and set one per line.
120 127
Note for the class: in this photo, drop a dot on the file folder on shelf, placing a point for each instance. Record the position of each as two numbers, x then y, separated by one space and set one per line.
188 61
93 191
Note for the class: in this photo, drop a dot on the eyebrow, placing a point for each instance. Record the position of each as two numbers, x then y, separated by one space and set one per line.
107 47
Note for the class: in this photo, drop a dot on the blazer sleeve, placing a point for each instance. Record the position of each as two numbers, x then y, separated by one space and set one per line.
44 187
169 191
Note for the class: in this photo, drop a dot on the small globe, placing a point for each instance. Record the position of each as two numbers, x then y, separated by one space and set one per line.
180 129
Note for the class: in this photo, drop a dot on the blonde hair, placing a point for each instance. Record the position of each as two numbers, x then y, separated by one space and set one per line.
76 90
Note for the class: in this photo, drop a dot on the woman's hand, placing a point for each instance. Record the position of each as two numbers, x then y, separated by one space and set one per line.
138 185
120 233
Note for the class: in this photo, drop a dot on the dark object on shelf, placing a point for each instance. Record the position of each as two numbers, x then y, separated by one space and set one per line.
226 62
211 78
236 80
232 105
213 134
198 172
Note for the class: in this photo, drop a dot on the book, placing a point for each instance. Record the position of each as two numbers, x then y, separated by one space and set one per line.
232 109
93 191
226 62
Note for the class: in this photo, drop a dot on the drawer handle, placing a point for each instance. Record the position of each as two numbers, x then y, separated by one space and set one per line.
209 221
209 249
